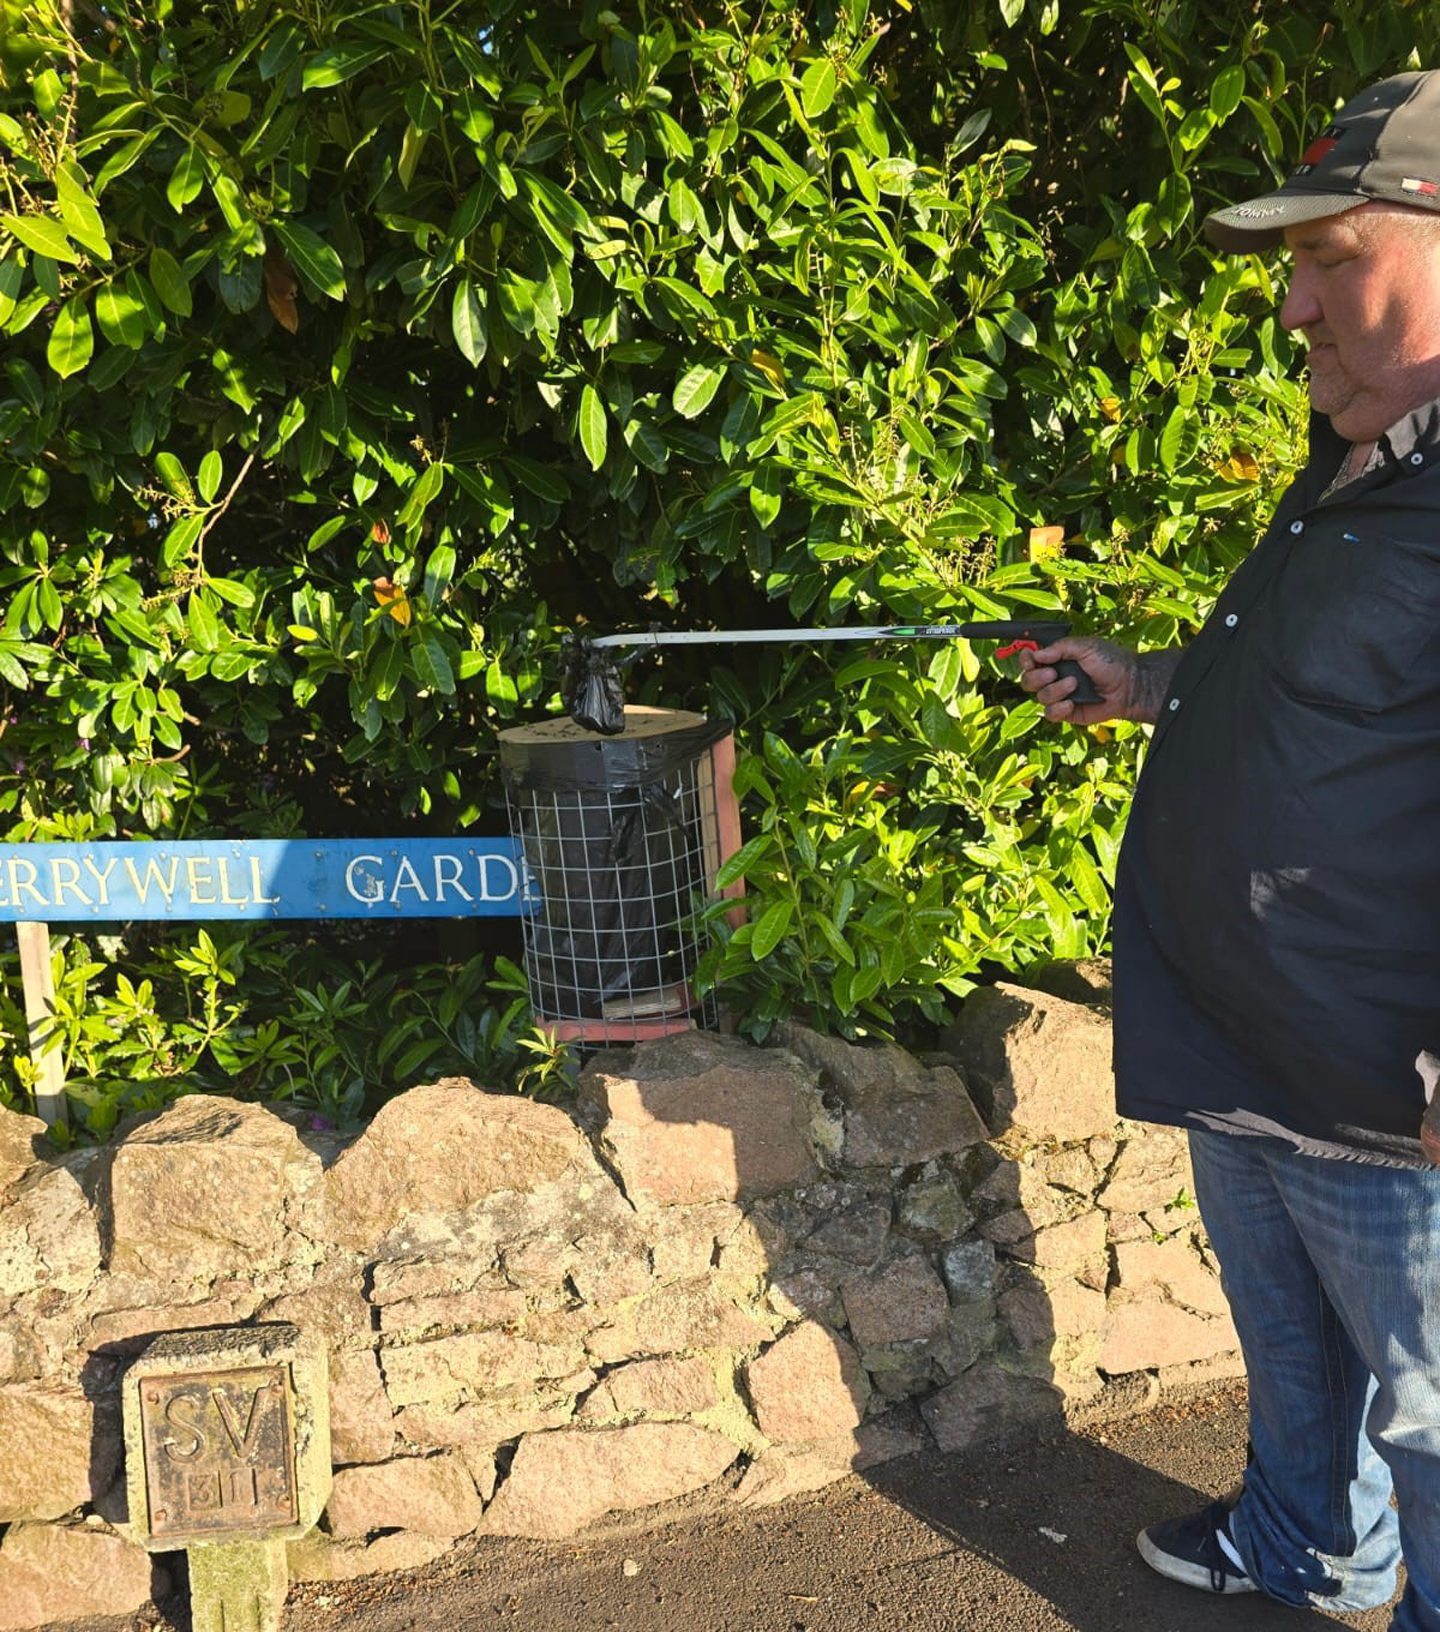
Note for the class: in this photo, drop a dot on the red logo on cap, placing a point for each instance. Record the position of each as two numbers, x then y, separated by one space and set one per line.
1317 150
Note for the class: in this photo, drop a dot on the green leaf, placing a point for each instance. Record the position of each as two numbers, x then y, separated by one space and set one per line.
229 589
467 323
121 317
648 445
1180 440
412 145
12 280
72 340
770 930
766 494
228 196
537 478
818 87
125 158
593 436
753 850
170 282
1087 881
1228 88
181 539
186 179
341 62
636 351
696 388
43 234
422 494
555 201
77 208
171 472
204 625
208 477
142 292
224 109
314 259
439 571
680 296
432 664
499 686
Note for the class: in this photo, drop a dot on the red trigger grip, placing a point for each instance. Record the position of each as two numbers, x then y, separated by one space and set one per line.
1018 646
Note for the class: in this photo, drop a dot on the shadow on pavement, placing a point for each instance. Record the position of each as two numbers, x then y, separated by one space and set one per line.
1057 1519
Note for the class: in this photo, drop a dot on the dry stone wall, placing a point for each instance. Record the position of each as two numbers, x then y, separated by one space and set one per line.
720 1270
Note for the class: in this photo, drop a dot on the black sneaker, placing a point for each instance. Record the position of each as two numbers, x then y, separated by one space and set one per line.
1196 1550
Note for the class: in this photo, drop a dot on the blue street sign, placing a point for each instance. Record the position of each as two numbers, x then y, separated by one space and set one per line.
264 878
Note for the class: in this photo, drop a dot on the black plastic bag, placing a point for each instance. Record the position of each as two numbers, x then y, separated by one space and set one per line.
593 694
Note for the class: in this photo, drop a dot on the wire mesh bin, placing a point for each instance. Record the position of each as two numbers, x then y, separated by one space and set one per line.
622 836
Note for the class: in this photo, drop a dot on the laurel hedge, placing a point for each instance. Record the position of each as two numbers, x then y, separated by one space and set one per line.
354 353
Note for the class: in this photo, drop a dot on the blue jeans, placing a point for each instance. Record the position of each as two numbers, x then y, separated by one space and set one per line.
1332 1269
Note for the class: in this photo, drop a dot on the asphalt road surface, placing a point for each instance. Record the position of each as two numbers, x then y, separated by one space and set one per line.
1034 1537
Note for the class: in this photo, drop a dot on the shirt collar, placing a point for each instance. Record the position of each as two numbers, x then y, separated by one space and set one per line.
1415 432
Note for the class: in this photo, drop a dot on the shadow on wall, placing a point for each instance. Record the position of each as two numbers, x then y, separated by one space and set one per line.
936 1281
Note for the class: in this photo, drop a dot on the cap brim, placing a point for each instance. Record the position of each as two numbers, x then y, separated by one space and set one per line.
1260 223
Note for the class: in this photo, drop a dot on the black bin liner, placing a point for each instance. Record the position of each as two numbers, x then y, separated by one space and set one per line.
613 835
592 690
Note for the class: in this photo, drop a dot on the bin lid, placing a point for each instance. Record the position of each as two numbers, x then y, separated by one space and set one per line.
639 722
557 753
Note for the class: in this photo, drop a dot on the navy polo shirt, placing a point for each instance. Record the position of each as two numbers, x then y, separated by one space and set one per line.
1277 898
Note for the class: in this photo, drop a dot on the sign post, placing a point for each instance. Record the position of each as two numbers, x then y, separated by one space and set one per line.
45 1053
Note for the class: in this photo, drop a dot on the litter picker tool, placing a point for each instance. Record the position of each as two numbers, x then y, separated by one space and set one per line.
595 698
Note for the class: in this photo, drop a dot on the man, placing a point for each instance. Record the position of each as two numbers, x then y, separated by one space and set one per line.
1277 902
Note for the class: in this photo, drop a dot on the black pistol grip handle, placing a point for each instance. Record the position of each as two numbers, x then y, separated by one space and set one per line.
1084 691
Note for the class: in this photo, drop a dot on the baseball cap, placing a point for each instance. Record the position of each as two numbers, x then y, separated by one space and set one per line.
1384 143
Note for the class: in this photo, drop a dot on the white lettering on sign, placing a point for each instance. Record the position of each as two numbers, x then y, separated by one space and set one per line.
226 899
153 878
447 876
199 877
371 880
269 878
406 878
102 880
257 885
374 890
65 875
18 884
510 872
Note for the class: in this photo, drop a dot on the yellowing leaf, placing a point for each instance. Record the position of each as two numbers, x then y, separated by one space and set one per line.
1047 543
770 367
394 599
302 632
1110 407
1241 466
